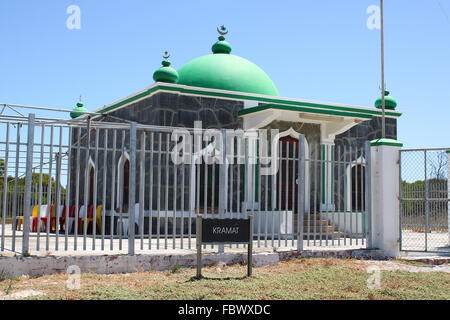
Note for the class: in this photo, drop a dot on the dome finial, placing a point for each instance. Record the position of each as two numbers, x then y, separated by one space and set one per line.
166 73
166 55
389 101
79 107
222 30
221 46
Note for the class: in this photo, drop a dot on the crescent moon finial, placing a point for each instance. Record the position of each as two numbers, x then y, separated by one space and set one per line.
222 30
166 55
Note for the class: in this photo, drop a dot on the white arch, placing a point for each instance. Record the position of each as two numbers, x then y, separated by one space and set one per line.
294 134
361 161
120 171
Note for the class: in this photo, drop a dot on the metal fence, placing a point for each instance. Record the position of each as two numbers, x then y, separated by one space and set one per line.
424 200
117 187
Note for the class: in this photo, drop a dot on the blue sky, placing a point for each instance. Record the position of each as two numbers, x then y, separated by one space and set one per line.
316 50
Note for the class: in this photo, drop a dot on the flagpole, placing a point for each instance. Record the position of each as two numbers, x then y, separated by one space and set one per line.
383 122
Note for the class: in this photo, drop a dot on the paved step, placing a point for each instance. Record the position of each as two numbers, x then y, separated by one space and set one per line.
317 229
331 235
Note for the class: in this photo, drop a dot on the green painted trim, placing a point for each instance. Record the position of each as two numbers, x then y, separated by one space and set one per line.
282 104
386 142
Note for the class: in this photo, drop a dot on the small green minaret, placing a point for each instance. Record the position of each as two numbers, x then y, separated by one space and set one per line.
80 107
166 73
389 101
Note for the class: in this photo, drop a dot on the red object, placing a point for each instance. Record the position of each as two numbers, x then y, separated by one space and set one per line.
46 220
34 224
62 218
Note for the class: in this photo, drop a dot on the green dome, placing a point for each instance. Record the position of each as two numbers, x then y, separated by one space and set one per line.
389 102
225 71
166 73
79 107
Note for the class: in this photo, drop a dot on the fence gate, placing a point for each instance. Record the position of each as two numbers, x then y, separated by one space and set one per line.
424 200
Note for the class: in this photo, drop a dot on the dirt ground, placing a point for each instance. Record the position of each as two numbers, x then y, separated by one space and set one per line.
295 279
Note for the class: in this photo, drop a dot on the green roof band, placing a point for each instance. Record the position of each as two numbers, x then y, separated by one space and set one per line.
386 142
244 97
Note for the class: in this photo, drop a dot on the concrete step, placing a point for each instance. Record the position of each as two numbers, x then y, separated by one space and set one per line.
315 222
318 229
331 235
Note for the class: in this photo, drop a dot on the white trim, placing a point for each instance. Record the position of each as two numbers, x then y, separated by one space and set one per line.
120 168
348 175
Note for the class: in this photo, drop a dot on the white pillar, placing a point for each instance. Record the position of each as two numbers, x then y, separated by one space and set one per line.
385 171
327 198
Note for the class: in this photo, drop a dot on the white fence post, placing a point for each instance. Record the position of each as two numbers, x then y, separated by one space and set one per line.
28 180
385 171
132 189
448 194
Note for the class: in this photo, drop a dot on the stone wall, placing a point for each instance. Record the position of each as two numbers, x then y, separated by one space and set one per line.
161 109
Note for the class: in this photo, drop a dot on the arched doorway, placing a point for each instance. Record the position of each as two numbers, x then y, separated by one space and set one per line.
287 186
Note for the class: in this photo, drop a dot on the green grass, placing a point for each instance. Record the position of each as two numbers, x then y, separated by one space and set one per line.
298 279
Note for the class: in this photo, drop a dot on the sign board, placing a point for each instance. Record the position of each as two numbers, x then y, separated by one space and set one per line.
222 231
225 231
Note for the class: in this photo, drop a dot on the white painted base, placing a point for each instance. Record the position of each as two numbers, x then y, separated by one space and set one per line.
385 199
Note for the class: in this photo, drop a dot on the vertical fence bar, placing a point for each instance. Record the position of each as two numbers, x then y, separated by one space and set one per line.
5 187
41 165
69 169
113 191
49 194
182 201
58 189
28 180
142 189
223 183
158 200
301 191
150 196
174 205
86 181
105 169
16 182
120 189
132 189
166 193
94 192
77 189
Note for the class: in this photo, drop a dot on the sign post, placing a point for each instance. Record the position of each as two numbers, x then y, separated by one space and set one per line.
224 231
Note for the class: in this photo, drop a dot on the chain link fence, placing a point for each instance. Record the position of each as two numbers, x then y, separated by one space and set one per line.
424 200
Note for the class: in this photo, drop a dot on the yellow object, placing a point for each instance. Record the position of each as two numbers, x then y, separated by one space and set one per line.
98 217
33 214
